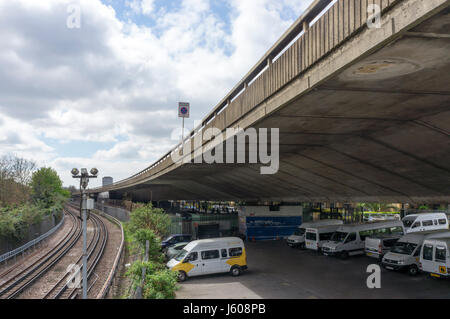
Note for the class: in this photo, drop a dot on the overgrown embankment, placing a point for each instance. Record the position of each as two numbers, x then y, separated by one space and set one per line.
149 224
31 201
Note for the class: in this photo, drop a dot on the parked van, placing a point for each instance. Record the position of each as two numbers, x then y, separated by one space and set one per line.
405 255
435 257
210 256
316 236
297 239
349 240
425 222
378 246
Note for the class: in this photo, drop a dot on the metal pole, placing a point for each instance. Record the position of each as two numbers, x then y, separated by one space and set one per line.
84 206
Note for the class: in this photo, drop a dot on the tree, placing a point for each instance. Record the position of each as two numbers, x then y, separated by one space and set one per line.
376 207
15 176
148 217
47 188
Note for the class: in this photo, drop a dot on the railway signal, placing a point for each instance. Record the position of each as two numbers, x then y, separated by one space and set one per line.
86 205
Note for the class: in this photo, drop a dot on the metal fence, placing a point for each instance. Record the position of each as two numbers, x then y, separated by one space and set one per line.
35 241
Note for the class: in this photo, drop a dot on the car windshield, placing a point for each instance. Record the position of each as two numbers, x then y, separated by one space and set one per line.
299 232
339 236
407 222
181 255
404 248
168 238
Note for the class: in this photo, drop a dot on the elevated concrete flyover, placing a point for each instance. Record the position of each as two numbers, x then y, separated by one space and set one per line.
363 113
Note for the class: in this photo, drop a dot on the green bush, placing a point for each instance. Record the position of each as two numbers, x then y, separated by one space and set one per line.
160 284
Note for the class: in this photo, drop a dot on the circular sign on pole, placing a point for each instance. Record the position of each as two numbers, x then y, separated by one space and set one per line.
183 109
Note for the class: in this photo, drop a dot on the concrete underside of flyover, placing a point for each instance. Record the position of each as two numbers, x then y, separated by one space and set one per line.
361 125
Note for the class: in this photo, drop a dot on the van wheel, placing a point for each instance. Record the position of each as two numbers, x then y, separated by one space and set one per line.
344 255
235 271
182 276
413 270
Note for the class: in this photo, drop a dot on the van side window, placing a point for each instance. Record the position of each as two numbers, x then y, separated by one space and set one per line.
224 253
210 254
193 256
351 237
235 252
442 221
427 223
427 252
415 225
441 254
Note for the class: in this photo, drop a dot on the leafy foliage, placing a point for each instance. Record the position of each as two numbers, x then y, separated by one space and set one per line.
150 224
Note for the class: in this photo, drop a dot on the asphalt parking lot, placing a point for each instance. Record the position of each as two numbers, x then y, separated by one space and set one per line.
280 272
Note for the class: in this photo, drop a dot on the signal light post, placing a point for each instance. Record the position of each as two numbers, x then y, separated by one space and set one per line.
85 206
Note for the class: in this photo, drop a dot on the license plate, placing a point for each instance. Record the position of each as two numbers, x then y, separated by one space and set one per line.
325 254
436 275
369 254
389 267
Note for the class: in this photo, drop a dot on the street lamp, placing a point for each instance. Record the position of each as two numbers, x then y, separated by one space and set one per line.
85 206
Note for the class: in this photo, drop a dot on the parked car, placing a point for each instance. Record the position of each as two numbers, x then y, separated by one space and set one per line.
175 250
405 255
297 239
210 256
350 239
425 222
435 257
175 239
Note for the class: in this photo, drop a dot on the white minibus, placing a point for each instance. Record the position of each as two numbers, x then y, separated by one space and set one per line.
210 256
349 240
405 255
435 257
425 222
316 236
297 239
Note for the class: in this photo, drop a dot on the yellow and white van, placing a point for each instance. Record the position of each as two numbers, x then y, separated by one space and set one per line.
435 257
210 256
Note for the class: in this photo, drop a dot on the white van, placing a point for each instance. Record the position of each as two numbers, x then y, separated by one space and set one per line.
316 236
349 240
405 255
425 222
297 239
378 246
435 257
210 256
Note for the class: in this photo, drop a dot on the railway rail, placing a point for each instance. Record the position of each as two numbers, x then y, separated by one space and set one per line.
14 286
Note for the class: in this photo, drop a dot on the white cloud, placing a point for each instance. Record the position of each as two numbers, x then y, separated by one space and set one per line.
116 81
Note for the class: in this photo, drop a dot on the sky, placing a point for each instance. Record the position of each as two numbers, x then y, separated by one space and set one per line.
102 90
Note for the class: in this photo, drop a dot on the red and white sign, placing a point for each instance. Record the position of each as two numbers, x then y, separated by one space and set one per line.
183 109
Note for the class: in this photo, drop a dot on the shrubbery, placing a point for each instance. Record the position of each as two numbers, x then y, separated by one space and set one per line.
150 224
44 196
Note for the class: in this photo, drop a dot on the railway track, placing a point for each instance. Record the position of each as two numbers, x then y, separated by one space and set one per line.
13 287
62 289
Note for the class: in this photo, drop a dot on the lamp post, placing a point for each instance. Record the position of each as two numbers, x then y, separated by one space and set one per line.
84 207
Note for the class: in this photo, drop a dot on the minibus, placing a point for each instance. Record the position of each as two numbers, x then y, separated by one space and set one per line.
435 257
425 222
349 240
316 236
378 246
405 255
210 256
297 239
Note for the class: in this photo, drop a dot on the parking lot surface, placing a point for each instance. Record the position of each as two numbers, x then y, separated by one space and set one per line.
280 272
